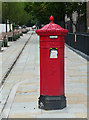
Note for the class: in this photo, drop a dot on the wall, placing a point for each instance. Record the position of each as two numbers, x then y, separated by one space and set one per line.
3 27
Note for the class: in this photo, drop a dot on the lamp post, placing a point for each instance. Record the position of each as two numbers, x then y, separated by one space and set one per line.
13 28
7 22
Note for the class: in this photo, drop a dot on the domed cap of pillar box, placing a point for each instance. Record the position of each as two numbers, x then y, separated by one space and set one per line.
51 29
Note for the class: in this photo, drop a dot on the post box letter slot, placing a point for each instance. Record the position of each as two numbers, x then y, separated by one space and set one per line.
53 36
53 52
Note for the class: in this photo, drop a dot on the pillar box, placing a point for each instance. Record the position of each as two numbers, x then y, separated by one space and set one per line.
52 95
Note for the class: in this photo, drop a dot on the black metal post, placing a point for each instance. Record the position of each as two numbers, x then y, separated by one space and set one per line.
6 25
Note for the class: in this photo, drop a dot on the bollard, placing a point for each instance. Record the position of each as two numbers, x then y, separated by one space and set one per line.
1 42
52 94
5 41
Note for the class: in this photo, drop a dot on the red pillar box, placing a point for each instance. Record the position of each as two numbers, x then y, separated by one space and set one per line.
52 95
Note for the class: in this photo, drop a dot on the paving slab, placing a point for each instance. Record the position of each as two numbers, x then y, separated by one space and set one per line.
9 54
22 87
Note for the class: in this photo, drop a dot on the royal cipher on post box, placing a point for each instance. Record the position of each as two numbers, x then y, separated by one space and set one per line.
52 95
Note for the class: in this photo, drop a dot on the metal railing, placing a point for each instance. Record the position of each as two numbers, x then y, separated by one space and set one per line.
78 41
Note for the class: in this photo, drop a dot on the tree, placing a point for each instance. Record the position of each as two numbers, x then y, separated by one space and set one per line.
14 11
41 11
79 8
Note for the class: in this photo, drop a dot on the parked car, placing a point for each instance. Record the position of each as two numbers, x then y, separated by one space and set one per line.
34 27
23 26
20 27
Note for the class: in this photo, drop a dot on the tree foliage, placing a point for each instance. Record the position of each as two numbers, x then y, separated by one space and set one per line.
43 10
79 8
14 11
39 12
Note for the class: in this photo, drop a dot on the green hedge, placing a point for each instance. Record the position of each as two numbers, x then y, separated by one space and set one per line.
18 35
10 38
14 38
21 34
5 42
25 31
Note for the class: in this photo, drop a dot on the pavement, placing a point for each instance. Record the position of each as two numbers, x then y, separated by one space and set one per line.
21 88
9 55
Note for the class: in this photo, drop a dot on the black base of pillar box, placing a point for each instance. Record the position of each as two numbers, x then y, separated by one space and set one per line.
52 102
